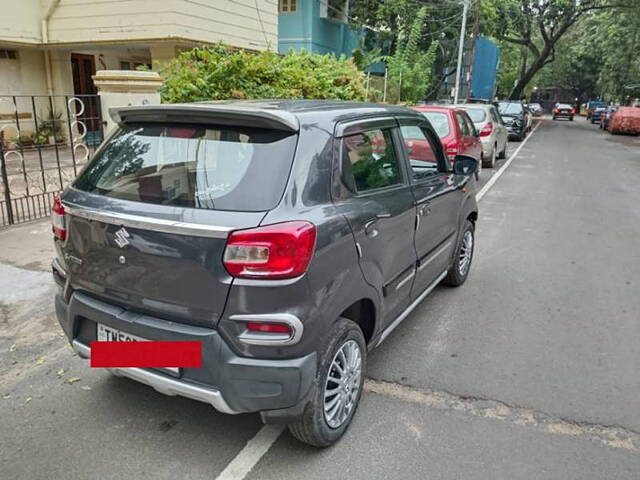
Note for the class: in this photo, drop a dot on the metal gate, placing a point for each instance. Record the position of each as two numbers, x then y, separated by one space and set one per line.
44 142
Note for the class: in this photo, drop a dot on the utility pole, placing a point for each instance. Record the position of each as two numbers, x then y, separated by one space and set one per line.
463 28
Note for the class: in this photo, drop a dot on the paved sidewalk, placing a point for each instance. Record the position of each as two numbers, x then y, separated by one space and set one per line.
28 246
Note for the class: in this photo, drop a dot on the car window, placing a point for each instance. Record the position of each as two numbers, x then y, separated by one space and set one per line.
440 122
478 115
196 166
470 126
510 108
369 160
494 115
422 157
464 128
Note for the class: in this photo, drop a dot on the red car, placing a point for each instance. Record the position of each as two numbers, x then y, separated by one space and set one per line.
455 129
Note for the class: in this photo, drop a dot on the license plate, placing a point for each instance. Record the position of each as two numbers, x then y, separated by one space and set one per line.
108 334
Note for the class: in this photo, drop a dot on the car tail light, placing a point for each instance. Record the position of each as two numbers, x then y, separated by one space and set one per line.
269 327
486 130
282 250
573 111
452 150
58 221
557 110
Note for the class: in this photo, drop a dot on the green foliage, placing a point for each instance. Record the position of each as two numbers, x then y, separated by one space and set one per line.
616 33
219 73
411 67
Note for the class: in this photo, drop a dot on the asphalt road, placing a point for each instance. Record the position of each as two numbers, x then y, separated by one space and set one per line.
528 371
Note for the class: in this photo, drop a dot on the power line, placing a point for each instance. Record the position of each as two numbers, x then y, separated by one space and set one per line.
264 34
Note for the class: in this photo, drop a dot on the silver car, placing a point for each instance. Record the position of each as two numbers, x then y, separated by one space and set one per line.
493 133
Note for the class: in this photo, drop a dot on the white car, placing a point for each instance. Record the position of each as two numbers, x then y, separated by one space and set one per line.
493 133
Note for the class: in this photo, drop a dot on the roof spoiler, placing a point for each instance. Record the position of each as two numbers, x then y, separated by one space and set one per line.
237 116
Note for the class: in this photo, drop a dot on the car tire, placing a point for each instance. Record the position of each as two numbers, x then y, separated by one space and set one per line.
315 427
503 153
554 117
458 273
492 158
571 119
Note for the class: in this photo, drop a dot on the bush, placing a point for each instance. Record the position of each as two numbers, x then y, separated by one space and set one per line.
219 73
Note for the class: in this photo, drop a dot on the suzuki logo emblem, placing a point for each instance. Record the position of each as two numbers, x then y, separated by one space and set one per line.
122 238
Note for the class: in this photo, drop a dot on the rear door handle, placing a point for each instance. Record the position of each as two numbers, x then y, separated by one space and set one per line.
424 209
370 229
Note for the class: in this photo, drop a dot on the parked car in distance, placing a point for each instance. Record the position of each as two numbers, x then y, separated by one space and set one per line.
273 233
597 112
563 110
625 120
592 105
515 118
455 130
606 116
493 133
536 109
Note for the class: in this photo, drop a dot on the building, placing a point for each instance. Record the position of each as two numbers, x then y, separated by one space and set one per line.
318 26
54 46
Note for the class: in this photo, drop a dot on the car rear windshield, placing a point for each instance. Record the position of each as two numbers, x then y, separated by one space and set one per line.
510 108
564 105
477 115
439 121
211 167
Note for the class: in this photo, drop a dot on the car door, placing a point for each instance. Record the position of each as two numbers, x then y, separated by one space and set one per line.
471 142
437 201
380 209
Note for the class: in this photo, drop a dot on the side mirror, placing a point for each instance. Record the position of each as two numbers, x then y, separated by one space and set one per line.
465 165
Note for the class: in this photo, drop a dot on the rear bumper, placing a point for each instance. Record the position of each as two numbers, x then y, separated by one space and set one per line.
230 383
163 383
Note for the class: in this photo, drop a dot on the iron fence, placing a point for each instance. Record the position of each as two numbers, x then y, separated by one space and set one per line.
44 142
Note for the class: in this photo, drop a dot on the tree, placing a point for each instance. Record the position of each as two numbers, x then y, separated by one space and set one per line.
577 65
616 34
389 21
537 26
410 66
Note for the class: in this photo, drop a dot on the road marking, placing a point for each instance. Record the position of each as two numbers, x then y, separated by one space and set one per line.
251 454
497 175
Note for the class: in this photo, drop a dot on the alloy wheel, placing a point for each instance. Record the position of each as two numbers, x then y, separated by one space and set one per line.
466 252
343 384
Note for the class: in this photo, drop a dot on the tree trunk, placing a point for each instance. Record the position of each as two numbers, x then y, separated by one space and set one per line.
523 81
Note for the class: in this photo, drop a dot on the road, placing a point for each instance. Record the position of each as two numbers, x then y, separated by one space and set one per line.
528 371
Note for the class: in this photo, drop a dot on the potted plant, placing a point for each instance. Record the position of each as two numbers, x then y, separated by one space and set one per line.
52 127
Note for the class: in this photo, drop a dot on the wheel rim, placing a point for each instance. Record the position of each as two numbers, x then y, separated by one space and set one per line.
466 251
343 384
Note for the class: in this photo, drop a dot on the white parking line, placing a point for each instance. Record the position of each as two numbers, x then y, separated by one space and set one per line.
497 175
251 454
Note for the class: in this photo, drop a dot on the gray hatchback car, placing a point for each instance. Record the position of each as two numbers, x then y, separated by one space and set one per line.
288 237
